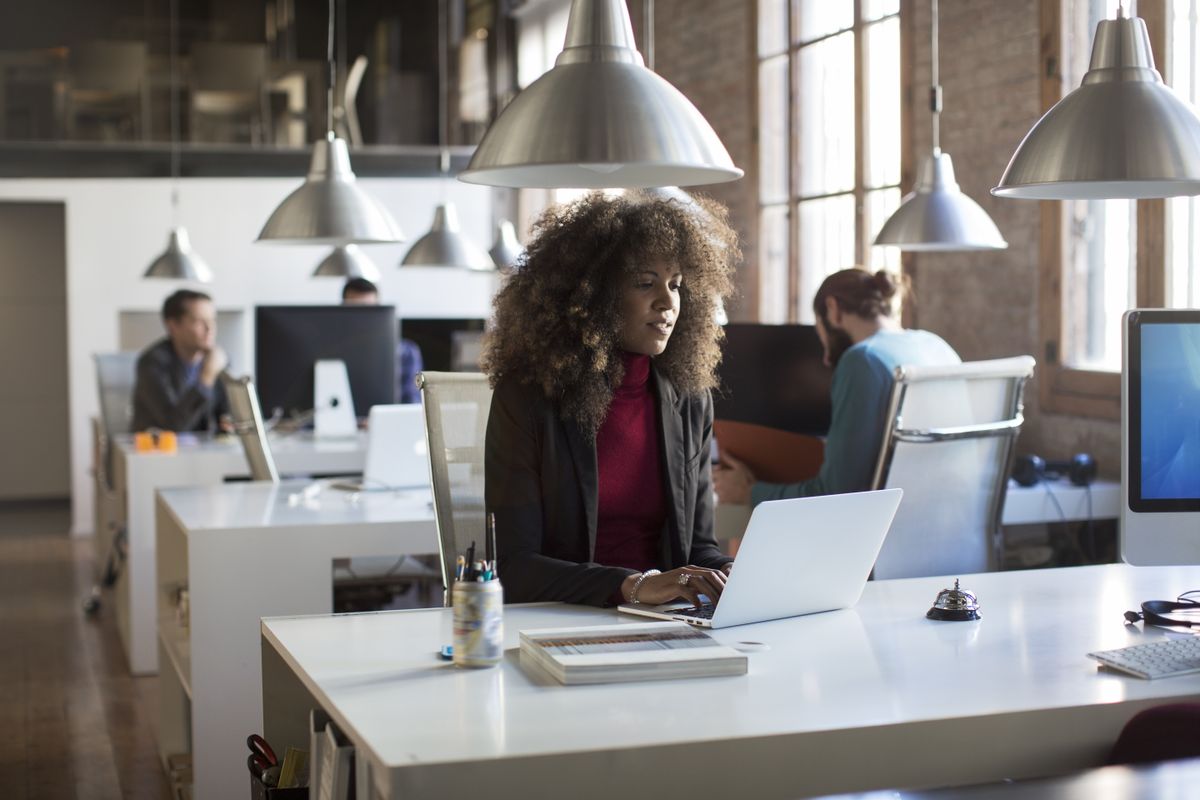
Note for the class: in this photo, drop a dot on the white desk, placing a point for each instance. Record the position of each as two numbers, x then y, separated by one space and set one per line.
1035 505
197 463
248 550
872 697
1023 505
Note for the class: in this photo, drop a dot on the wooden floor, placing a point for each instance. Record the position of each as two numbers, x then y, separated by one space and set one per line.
73 723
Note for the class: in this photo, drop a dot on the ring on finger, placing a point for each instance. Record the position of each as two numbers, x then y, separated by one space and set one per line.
684 577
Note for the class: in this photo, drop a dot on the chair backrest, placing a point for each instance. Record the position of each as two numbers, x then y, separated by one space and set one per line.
949 444
249 427
117 67
228 67
116 376
457 405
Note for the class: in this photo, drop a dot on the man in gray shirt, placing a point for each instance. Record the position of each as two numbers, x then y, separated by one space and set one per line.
177 377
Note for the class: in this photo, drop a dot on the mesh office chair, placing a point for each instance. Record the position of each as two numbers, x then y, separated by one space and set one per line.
249 427
457 405
229 89
949 445
116 375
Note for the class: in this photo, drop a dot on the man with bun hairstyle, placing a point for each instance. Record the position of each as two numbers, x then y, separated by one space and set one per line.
863 344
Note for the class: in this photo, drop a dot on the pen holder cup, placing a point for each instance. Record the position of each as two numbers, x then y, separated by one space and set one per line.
478 623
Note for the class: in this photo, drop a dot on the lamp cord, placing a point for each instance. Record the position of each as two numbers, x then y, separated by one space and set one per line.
648 32
329 57
173 47
443 69
935 91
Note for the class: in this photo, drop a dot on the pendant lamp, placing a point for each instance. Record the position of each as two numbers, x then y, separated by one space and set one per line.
178 261
445 245
506 249
936 216
347 261
330 207
600 119
1123 134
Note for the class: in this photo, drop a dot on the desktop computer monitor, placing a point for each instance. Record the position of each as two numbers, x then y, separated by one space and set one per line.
1160 437
775 376
288 340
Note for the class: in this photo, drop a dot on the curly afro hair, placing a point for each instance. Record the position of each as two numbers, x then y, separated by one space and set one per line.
557 322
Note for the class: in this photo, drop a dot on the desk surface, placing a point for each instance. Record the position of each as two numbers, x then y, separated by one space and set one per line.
290 504
880 667
281 444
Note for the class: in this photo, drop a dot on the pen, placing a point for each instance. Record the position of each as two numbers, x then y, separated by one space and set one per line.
460 567
491 545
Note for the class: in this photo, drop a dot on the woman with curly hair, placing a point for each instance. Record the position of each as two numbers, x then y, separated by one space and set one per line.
602 356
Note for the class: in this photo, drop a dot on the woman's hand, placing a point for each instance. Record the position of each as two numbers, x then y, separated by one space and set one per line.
732 480
687 583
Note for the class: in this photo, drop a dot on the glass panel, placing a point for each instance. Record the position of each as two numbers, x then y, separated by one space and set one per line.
1099 236
1098 280
773 264
825 116
773 130
1183 219
874 9
880 205
772 27
816 18
881 56
826 244
1183 213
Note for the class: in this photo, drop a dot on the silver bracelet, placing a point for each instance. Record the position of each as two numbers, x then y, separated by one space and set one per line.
638 583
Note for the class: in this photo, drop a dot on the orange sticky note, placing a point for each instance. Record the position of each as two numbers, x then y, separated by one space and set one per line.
168 442
143 441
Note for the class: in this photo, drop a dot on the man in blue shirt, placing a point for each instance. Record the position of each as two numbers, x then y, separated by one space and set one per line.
360 291
864 344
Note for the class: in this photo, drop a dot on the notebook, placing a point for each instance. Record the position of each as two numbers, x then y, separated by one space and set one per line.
797 557
397 457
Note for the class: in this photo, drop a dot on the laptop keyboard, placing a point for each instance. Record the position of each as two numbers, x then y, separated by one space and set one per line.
702 611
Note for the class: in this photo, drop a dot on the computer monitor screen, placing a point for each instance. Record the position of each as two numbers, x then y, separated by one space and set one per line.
774 375
447 345
1161 437
288 340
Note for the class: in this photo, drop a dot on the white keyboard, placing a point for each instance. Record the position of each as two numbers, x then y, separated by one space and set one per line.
1155 660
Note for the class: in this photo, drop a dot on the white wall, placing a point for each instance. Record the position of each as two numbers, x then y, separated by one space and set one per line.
115 227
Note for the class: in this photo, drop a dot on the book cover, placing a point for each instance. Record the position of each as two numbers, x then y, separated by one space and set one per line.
611 653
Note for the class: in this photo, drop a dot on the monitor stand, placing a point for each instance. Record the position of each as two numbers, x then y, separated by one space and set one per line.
333 405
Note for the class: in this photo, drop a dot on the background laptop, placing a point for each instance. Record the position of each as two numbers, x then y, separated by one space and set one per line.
797 557
397 457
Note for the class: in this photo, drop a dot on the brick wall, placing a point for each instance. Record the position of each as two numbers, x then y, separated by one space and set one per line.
984 304
705 48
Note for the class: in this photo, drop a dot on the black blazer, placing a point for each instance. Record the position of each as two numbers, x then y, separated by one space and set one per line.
162 400
541 483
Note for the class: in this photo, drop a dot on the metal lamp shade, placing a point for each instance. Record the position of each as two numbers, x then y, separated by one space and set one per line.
600 119
330 207
1122 134
179 261
446 246
347 261
937 216
506 249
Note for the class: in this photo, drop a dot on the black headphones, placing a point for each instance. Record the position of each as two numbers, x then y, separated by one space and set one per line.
1029 470
1154 612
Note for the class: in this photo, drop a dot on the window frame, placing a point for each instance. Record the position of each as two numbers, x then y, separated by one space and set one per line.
860 190
1061 388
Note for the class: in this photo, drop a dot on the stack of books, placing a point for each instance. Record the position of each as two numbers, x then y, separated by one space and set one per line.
631 652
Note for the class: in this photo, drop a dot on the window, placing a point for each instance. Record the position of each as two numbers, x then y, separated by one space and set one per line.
829 144
1102 257
1183 213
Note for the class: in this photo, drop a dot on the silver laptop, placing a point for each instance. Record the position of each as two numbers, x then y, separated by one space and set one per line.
797 557
397 457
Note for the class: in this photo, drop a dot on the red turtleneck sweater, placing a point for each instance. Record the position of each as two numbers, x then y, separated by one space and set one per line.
632 503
